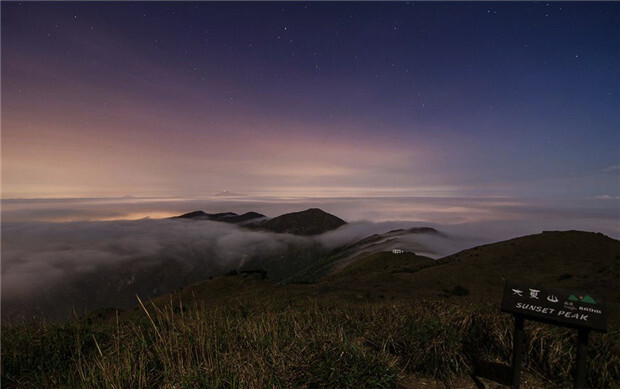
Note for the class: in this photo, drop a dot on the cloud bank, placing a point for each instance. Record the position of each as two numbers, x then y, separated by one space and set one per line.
93 264
53 269
48 267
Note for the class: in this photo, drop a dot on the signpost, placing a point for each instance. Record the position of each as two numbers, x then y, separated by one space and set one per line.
581 311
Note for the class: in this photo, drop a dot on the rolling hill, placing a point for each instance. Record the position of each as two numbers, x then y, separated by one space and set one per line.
582 261
312 221
577 260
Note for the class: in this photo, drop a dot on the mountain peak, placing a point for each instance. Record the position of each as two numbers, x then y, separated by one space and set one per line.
312 221
194 215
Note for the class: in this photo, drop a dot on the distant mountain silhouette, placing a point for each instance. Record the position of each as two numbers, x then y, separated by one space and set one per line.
312 221
227 217
246 217
193 215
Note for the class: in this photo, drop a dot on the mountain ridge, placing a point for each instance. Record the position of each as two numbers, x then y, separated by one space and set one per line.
227 217
313 221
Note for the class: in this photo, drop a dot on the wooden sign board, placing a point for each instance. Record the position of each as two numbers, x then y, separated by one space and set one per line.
555 306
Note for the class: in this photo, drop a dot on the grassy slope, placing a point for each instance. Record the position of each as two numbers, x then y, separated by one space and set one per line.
573 259
567 260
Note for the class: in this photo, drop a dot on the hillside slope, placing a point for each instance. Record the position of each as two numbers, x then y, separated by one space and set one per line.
560 259
581 261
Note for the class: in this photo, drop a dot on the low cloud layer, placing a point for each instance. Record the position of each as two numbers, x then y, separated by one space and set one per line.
90 264
49 267
105 263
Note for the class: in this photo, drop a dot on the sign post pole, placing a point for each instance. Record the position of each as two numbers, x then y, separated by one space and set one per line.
582 353
517 351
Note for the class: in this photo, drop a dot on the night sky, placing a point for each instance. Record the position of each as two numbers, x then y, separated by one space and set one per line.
311 99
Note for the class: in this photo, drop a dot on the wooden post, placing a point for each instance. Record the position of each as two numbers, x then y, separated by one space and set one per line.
517 351
582 354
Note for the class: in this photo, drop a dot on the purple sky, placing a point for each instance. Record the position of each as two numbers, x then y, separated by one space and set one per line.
104 99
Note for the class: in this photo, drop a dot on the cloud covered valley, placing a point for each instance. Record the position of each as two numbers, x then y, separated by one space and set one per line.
60 269
54 268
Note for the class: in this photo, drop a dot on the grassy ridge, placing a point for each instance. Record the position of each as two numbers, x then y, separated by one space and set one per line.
308 343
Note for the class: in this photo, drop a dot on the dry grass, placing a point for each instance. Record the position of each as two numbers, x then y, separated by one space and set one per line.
307 344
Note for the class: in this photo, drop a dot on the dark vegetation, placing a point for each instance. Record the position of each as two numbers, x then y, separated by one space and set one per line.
304 343
458 290
378 320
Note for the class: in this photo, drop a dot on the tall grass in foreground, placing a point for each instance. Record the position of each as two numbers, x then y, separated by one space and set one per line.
310 344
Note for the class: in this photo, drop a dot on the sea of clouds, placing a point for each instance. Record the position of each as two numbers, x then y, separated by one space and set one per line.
64 257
